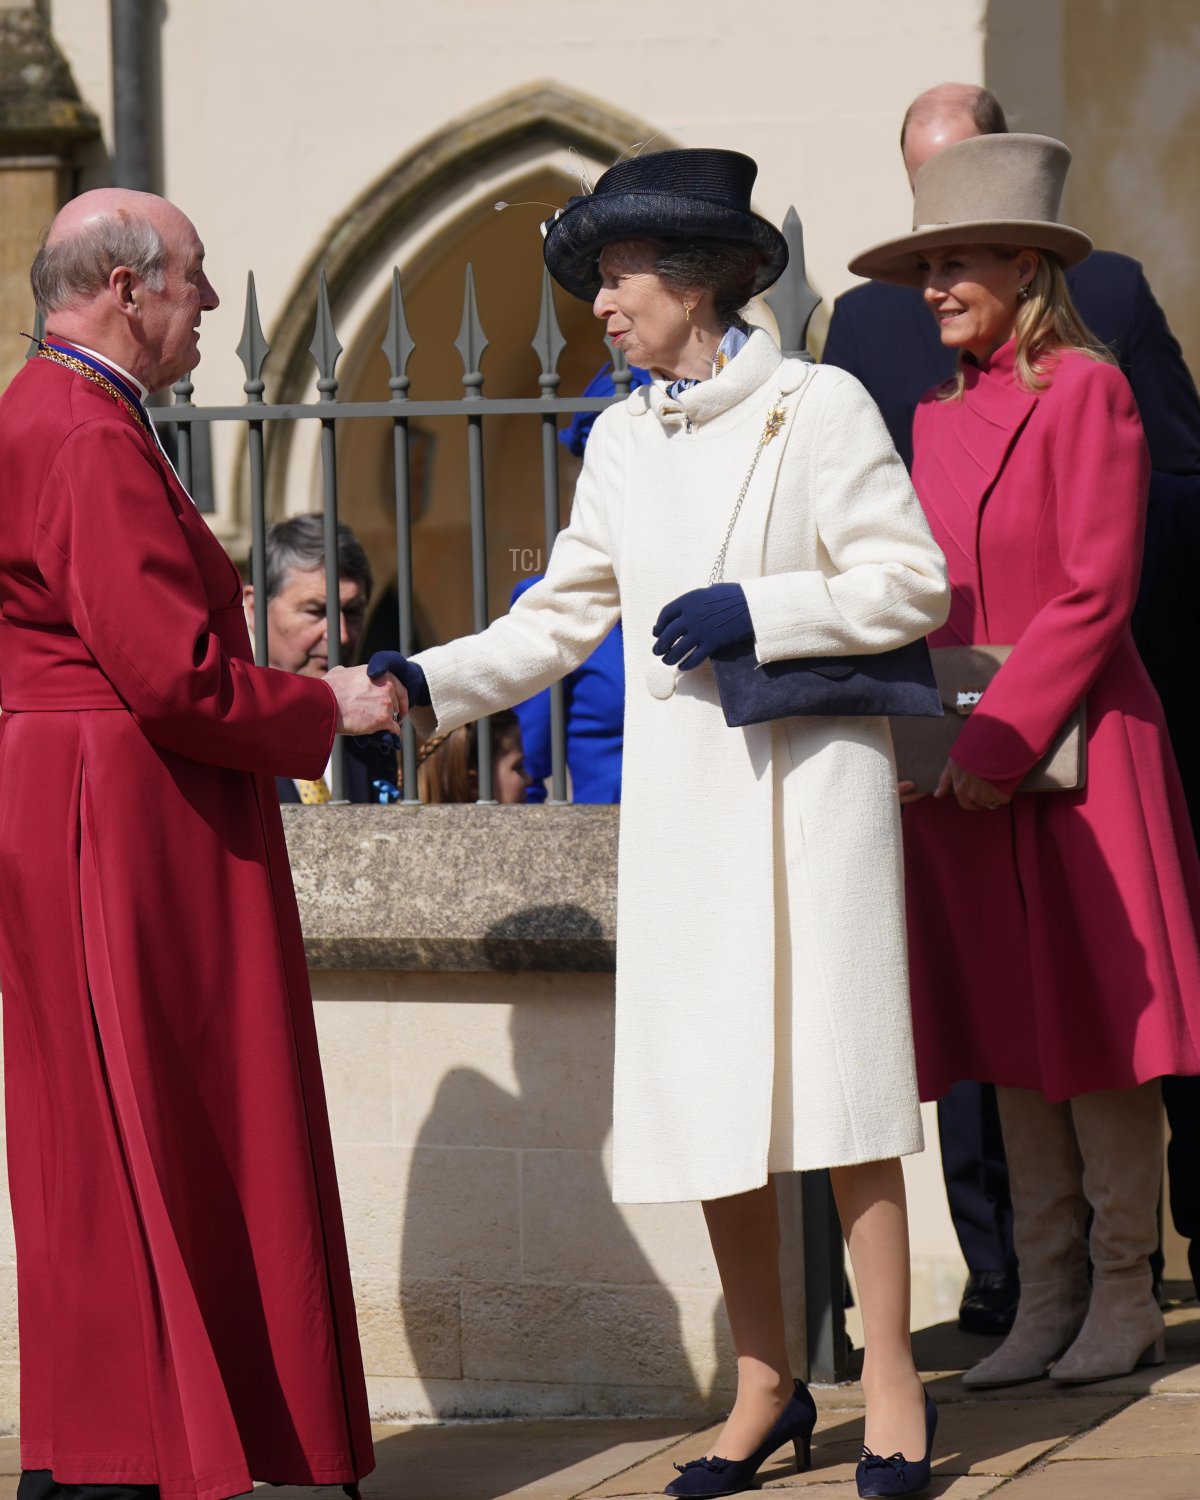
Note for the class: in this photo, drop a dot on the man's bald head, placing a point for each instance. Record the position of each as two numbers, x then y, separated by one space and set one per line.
944 115
94 234
122 273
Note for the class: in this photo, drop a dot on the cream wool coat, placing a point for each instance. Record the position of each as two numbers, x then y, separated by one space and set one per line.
762 995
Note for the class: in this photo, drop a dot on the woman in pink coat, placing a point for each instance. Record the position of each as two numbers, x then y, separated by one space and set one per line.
1053 939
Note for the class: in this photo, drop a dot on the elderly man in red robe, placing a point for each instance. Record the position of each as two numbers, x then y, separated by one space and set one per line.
186 1319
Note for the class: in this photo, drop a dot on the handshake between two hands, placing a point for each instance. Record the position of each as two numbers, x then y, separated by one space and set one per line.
372 700
375 698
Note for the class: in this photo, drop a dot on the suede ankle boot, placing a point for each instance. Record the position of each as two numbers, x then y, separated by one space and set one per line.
1049 1213
1120 1138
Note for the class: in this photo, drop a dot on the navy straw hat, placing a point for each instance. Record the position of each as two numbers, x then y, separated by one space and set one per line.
694 194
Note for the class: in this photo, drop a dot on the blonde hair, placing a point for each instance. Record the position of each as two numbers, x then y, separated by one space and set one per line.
1048 325
444 767
447 764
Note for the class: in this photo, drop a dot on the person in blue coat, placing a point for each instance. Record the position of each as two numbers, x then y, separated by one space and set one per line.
594 705
886 337
594 694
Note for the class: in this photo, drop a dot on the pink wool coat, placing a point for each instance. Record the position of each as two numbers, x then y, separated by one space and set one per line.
1053 942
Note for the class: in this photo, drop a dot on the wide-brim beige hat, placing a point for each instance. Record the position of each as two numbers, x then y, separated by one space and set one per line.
987 190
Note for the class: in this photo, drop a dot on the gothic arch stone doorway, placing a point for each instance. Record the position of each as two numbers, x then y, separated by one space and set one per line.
431 216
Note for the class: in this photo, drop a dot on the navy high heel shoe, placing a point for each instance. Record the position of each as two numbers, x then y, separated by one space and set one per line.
725 1476
897 1475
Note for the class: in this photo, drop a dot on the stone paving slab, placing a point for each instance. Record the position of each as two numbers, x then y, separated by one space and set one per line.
1108 1479
1178 1382
1158 1427
501 1460
658 1470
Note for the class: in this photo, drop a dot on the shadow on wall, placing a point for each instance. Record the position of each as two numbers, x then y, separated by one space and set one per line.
510 1221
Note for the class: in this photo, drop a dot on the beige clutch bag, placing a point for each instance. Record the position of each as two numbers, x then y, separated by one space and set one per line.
923 746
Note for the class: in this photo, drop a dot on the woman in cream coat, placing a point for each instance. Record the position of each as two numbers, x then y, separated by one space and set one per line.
762 1003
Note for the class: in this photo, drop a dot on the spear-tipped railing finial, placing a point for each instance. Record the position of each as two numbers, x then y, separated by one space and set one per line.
325 347
398 343
471 341
791 299
253 348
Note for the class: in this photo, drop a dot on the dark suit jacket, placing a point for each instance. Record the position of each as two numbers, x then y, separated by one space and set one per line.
886 337
364 764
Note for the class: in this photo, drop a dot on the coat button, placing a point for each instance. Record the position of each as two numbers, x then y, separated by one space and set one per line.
661 679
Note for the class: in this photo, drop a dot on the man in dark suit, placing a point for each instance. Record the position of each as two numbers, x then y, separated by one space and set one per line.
886 337
298 636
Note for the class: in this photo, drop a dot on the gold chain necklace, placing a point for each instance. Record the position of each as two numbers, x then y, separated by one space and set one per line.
68 361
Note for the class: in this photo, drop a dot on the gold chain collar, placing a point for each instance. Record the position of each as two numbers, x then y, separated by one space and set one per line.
68 361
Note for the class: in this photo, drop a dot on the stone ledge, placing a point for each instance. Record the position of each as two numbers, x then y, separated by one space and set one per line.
456 888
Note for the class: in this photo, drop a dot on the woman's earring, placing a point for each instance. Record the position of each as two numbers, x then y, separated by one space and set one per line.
1023 291
687 313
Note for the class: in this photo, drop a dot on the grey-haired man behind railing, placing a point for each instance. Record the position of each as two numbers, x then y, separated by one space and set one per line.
298 638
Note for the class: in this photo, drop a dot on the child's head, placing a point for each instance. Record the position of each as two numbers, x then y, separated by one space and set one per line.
509 776
448 768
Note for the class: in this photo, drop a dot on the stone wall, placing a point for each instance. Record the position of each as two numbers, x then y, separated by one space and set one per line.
493 1273
469 1074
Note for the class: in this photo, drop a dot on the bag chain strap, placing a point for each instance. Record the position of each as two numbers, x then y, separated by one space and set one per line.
775 420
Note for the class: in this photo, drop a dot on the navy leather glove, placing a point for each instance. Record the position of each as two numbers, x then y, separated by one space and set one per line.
692 627
408 672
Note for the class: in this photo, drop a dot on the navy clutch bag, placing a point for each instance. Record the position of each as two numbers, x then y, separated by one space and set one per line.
888 683
891 683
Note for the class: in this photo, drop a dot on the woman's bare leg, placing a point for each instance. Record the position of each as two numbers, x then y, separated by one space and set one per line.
874 1215
744 1231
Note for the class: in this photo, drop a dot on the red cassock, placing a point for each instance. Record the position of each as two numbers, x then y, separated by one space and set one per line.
1053 943
186 1316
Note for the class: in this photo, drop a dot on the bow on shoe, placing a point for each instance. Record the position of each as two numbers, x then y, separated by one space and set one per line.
897 1463
713 1465
898 1475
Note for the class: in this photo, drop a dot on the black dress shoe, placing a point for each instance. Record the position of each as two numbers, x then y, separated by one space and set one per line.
989 1302
898 1475
706 1478
37 1484
40 1484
